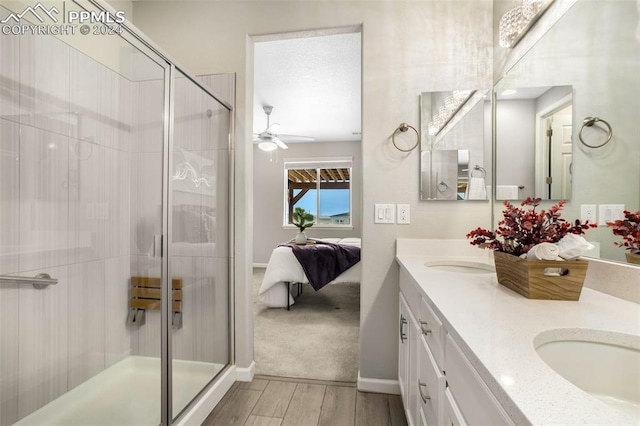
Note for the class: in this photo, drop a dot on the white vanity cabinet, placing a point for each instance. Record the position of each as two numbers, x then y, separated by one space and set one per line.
439 386
408 361
422 382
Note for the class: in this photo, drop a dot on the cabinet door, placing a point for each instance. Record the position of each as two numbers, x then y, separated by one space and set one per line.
403 350
472 396
408 362
430 386
451 414
414 341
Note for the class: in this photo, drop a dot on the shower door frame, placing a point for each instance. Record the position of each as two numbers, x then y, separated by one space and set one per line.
137 39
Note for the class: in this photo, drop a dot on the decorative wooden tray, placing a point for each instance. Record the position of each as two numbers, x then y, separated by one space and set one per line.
528 277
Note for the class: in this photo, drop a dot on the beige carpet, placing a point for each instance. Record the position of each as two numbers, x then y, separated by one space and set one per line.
316 339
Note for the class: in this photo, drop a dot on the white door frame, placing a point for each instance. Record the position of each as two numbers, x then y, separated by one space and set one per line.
540 138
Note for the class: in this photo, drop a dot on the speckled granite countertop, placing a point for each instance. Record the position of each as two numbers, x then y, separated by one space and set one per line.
496 328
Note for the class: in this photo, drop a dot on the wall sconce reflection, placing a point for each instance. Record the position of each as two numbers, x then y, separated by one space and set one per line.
516 22
446 112
185 170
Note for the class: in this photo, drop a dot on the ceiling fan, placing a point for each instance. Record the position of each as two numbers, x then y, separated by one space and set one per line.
270 140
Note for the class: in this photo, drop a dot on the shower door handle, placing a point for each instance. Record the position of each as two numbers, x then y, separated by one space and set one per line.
157 246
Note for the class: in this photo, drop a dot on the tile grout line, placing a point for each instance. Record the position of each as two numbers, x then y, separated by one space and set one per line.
256 403
254 406
355 408
289 403
324 396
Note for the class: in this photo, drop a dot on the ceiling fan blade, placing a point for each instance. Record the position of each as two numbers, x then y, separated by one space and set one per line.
297 138
280 143
273 129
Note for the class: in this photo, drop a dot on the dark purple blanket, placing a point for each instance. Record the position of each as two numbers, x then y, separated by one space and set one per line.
323 262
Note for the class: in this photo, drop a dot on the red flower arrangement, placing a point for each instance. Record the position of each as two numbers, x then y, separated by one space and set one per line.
521 229
629 229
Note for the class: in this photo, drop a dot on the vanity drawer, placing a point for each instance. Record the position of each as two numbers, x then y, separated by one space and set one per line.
430 387
432 332
451 414
474 399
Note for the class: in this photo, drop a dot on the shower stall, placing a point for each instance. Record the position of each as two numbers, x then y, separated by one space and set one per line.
115 244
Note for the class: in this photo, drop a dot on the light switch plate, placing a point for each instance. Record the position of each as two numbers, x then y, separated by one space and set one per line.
384 213
610 212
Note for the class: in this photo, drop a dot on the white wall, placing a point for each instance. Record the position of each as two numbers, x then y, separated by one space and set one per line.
268 195
408 48
515 134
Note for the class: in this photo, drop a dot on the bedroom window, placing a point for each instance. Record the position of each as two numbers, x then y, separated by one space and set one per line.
323 188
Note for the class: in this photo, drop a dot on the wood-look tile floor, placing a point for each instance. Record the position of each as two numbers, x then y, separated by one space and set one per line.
274 401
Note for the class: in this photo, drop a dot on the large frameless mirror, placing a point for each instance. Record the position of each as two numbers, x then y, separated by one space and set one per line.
600 74
455 152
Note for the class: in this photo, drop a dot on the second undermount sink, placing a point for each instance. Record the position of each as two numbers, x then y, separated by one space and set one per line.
461 266
608 370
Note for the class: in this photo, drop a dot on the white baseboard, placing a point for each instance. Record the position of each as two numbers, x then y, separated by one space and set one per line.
378 385
260 265
201 410
246 374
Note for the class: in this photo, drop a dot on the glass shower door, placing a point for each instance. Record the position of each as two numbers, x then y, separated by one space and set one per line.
199 240
82 139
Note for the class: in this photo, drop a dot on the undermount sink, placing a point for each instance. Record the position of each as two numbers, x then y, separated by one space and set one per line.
461 266
605 365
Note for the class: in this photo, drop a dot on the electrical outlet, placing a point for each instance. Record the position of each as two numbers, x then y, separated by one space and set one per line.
403 215
588 213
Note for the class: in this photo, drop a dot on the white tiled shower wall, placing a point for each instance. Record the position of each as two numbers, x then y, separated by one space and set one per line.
80 194
80 199
65 127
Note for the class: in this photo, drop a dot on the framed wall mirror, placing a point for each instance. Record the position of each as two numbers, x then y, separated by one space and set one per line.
534 129
455 151
601 74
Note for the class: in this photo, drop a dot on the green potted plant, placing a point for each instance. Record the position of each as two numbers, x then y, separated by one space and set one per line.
303 220
629 229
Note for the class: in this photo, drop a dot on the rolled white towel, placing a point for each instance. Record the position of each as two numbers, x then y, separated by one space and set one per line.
544 251
572 246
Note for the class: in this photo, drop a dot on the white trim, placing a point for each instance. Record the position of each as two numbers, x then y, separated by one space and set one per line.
322 226
201 409
540 173
318 162
260 265
246 374
378 385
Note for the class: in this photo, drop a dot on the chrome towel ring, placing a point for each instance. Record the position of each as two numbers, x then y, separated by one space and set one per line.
442 187
590 121
480 172
403 127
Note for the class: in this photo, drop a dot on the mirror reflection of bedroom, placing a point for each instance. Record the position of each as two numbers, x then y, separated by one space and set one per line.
306 199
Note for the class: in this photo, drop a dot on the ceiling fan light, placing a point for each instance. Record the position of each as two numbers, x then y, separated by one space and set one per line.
267 146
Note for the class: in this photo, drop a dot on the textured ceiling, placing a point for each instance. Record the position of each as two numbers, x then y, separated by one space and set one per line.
313 84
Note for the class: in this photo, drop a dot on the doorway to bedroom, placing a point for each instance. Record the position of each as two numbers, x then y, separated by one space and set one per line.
306 154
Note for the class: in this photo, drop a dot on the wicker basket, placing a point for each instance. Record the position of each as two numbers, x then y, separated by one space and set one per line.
528 278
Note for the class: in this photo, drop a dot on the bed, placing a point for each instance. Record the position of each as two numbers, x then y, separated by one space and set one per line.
284 270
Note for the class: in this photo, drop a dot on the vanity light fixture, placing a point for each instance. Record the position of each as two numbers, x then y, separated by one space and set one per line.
516 22
446 112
